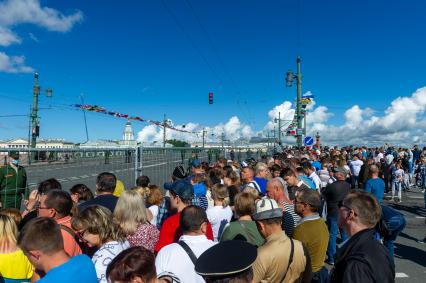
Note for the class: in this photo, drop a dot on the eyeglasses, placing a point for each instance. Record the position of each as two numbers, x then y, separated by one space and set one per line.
295 201
341 204
39 207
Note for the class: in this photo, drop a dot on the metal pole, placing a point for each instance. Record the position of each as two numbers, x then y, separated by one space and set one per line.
136 164
164 131
34 116
204 136
85 121
279 127
298 106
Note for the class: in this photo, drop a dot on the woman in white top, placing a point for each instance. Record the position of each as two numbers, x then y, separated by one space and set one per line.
220 214
397 180
96 226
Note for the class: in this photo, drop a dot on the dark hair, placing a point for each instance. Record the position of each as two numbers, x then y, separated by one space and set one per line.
60 201
106 182
310 197
191 218
288 172
275 167
135 261
83 192
43 234
271 221
242 277
307 165
142 181
48 185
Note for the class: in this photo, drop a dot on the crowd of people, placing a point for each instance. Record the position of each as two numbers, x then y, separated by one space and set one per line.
303 215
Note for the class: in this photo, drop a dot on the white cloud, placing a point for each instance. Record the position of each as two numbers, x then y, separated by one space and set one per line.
14 12
7 37
233 130
13 64
403 123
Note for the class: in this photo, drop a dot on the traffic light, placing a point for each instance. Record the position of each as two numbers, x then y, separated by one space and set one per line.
210 97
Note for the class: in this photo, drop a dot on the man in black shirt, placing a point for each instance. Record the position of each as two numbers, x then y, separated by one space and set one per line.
362 259
333 194
105 185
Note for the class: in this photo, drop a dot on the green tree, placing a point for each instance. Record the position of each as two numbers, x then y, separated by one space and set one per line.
178 143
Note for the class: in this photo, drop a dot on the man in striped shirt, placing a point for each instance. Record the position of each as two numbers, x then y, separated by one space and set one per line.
275 190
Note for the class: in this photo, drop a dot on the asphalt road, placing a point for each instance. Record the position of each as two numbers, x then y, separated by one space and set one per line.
158 167
410 256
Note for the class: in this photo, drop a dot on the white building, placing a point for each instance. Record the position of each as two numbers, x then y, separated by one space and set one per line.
22 144
128 136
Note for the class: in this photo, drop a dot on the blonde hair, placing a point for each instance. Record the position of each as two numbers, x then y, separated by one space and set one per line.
12 212
97 220
130 211
254 192
220 192
8 231
143 191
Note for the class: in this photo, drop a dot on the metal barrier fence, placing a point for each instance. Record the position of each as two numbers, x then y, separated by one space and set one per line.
74 166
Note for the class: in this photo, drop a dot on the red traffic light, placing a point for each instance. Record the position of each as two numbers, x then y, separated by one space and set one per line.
210 97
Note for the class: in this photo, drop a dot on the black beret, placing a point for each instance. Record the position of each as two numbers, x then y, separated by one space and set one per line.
226 258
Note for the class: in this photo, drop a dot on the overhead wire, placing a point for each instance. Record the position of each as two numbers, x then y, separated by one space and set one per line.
219 58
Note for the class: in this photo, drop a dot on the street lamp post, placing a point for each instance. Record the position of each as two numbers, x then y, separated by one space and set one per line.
289 81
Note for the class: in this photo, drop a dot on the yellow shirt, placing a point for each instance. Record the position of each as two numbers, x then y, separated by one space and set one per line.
15 267
119 188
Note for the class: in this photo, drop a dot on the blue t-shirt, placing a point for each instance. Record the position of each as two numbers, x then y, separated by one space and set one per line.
308 181
376 187
77 269
262 184
317 165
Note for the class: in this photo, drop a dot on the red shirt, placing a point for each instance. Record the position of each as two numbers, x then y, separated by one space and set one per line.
171 232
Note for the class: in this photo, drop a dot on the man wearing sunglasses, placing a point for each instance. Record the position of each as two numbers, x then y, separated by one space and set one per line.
361 258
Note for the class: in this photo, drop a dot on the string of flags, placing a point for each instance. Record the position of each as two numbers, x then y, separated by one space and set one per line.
99 109
306 99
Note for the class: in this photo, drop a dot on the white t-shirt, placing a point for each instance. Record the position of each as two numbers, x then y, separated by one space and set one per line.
379 156
173 258
105 255
218 217
317 181
355 166
154 210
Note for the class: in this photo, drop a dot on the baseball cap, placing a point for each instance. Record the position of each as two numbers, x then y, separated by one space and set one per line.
267 208
183 189
195 163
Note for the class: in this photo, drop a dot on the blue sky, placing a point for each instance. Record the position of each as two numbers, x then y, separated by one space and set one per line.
148 58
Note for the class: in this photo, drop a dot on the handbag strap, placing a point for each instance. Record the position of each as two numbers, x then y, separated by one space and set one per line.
290 260
250 238
188 251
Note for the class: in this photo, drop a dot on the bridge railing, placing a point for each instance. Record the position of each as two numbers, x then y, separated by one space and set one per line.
72 166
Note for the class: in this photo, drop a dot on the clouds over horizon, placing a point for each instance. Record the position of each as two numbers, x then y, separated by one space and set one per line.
17 12
403 122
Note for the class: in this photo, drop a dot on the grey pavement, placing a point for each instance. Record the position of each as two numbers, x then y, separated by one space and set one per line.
410 256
